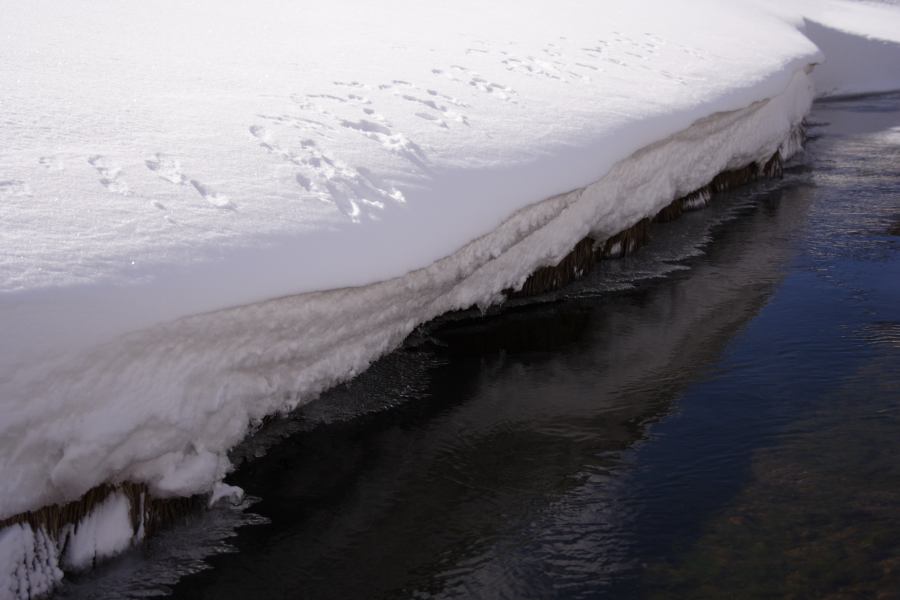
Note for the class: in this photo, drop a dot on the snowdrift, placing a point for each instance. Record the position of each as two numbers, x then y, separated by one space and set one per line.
210 214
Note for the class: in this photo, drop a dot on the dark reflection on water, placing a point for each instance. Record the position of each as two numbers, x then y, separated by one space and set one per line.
728 429
818 514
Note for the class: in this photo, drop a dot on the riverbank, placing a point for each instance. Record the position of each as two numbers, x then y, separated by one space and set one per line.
156 401
688 422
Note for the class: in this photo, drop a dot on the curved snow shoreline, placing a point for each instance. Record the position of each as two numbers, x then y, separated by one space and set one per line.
134 378
176 397
269 357
161 406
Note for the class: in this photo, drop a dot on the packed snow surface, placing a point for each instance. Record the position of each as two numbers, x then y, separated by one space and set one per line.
211 211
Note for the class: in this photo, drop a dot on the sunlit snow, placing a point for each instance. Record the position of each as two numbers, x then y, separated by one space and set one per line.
212 211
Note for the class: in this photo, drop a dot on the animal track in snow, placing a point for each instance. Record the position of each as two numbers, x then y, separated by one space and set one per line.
474 79
565 65
301 123
109 175
216 199
529 65
431 99
395 142
15 188
624 48
167 168
434 119
305 104
495 89
366 127
549 62
265 142
372 125
328 97
354 192
51 163
597 50
354 99
352 84
694 52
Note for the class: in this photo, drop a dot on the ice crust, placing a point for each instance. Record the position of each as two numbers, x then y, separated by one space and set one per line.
211 213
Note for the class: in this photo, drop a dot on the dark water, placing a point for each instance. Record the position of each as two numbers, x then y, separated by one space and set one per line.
717 416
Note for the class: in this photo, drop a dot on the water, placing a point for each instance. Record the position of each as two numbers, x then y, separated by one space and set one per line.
717 416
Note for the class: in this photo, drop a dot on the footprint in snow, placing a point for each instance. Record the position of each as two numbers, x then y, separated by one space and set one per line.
394 142
375 126
439 103
109 175
216 199
465 75
596 51
51 163
266 143
327 97
530 66
307 160
15 188
356 193
366 126
167 168
351 84
552 63
434 119
296 122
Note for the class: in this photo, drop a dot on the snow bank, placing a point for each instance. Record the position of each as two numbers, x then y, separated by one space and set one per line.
210 213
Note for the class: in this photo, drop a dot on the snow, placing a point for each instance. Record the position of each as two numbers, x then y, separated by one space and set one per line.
104 532
223 491
211 212
30 558
29 562
860 41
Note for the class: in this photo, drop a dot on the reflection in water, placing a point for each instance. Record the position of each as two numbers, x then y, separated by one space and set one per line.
819 516
667 425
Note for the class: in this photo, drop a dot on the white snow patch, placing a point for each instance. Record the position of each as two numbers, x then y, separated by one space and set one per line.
106 531
29 563
225 210
223 491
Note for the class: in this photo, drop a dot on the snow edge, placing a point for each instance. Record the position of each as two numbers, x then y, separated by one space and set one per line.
253 361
